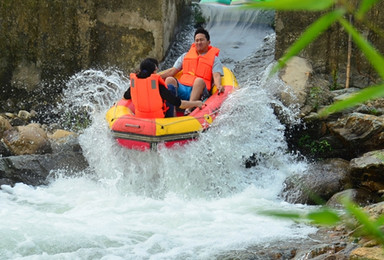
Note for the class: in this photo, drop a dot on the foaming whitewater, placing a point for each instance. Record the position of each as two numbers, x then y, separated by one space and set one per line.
198 201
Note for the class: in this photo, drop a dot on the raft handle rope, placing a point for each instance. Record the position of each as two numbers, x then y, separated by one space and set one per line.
130 125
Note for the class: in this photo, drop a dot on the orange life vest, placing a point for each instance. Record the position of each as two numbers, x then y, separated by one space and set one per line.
195 65
146 97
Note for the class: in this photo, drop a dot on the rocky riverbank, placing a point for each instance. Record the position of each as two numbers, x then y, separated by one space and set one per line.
345 154
29 151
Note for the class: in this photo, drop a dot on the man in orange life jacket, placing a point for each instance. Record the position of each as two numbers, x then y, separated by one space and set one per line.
200 66
149 92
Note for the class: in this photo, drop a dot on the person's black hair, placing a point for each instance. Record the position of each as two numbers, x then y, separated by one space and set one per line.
154 61
147 67
203 31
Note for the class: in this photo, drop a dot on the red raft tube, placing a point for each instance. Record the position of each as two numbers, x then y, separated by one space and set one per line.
147 133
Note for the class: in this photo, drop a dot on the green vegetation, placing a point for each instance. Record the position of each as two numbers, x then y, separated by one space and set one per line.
76 120
314 95
314 147
354 218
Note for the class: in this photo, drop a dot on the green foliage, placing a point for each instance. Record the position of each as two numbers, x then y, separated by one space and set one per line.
335 12
76 120
198 15
315 95
326 216
315 147
369 227
323 216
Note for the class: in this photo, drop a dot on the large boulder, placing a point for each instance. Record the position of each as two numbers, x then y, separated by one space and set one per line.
303 89
29 139
37 169
321 181
368 170
4 126
371 253
359 196
360 132
296 75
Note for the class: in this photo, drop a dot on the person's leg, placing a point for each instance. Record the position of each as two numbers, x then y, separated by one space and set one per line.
171 108
197 89
171 81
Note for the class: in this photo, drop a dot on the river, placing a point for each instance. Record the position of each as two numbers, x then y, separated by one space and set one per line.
193 202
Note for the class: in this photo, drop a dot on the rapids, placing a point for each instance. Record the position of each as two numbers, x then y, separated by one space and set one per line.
193 202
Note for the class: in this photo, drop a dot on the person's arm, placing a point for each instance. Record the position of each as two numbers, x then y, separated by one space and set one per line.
217 81
217 72
175 68
169 72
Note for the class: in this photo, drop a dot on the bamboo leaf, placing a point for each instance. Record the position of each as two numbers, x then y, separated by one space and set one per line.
355 99
369 226
324 217
281 214
369 51
292 5
365 6
380 221
318 27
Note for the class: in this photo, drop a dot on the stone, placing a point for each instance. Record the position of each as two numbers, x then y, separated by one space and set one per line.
367 170
62 140
30 139
359 131
17 121
4 126
60 135
296 75
4 151
367 253
38 169
25 115
375 210
361 197
369 160
10 115
321 181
